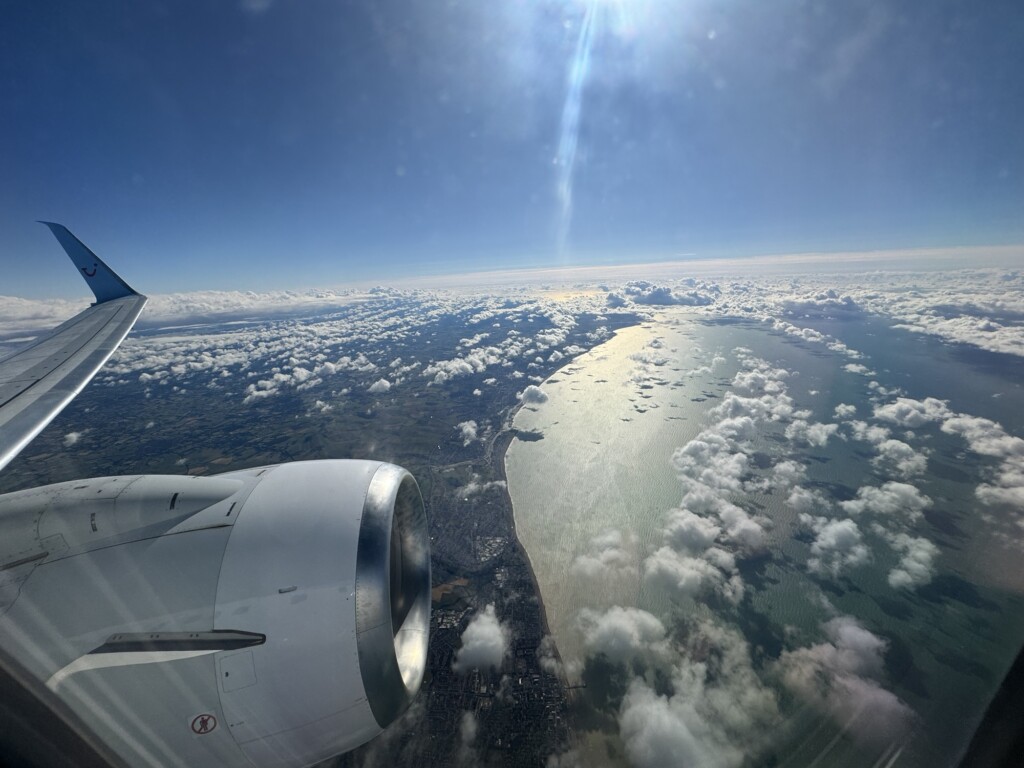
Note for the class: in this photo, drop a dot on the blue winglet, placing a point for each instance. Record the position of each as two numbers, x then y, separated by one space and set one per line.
104 282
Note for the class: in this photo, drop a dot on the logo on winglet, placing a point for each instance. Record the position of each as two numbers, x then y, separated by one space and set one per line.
88 273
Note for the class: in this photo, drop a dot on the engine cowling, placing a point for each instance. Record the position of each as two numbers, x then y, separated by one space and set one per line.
275 616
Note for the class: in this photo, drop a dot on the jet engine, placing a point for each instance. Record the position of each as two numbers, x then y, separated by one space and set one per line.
273 616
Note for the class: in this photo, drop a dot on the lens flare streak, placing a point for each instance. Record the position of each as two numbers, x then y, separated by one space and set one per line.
569 132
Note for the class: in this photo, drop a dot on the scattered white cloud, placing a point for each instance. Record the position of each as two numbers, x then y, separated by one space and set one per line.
845 411
838 545
894 499
842 676
719 712
610 554
900 459
379 387
863 370
622 634
917 562
467 431
476 486
815 434
485 642
907 412
533 394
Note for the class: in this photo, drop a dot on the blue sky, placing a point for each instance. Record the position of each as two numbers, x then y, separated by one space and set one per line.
292 143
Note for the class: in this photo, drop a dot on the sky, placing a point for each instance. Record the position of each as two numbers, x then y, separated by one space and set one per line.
277 144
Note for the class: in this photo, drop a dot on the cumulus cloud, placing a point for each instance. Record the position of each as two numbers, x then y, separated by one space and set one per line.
917 564
689 532
476 486
643 292
718 713
900 459
805 500
467 431
467 737
609 554
842 678
984 436
893 499
815 434
837 547
910 413
786 474
485 642
863 370
870 433
714 570
547 656
1007 486
845 411
71 438
533 394
622 634
380 386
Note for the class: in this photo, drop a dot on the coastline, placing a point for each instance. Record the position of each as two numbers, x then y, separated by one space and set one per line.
499 450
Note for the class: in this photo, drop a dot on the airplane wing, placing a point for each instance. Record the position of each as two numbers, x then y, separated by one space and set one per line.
36 382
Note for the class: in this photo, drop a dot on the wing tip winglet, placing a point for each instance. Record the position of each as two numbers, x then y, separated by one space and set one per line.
105 283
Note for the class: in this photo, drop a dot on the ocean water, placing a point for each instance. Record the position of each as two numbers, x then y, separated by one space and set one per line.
603 471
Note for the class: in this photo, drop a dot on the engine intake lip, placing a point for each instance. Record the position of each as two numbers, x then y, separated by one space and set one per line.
392 592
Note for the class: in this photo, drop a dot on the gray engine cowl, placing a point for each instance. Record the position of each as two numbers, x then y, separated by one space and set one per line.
342 594
281 620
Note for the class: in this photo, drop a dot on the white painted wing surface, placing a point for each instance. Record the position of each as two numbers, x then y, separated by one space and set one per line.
36 382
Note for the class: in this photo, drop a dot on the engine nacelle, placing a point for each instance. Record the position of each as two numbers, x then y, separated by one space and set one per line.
274 616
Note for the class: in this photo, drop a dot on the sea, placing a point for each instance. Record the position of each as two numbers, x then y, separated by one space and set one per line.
598 463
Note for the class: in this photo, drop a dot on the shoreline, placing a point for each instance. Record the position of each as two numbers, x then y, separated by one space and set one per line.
499 450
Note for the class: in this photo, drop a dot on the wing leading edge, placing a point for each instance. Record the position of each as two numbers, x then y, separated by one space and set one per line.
36 382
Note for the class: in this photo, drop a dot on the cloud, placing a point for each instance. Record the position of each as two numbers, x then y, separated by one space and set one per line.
643 292
468 727
533 394
910 413
616 300
608 555
787 473
717 712
984 436
870 433
837 546
71 438
845 411
475 487
761 381
891 499
917 564
622 634
547 656
689 532
841 678
1008 487
863 370
815 434
485 642
805 500
467 431
380 386
900 459
688 576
